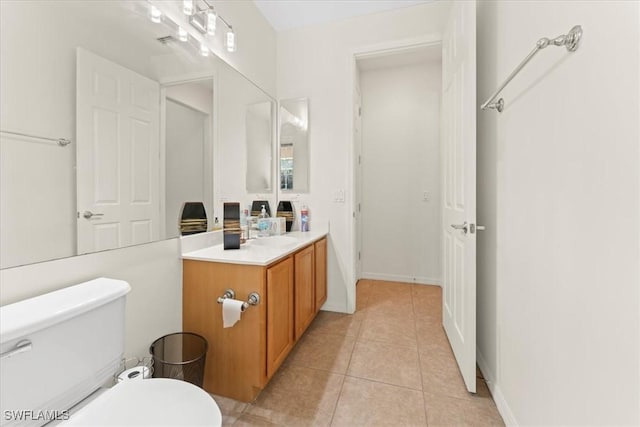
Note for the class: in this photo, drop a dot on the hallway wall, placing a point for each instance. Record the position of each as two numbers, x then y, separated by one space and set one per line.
400 161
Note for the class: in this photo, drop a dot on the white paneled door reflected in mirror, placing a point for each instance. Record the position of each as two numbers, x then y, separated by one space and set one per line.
124 107
294 145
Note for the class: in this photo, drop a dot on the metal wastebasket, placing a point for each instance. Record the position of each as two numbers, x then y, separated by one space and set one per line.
181 356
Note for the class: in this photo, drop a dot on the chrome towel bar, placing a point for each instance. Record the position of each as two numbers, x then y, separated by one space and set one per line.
571 41
63 142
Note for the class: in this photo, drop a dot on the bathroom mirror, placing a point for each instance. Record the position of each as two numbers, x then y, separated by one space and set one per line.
294 145
40 215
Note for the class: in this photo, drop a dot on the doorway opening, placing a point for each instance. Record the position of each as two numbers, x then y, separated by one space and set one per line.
187 144
397 104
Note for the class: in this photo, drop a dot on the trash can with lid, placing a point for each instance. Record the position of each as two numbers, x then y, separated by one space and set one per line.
181 356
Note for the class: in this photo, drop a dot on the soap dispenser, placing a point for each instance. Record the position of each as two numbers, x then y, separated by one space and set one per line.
263 223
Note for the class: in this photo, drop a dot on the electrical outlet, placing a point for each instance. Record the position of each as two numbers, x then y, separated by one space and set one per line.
426 196
338 196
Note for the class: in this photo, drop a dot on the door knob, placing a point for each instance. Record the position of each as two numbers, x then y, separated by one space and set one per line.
475 227
89 214
464 227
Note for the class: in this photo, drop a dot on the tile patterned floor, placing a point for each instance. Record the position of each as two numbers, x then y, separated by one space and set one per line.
389 364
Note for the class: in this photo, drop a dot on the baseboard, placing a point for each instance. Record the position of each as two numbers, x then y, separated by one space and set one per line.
501 403
403 279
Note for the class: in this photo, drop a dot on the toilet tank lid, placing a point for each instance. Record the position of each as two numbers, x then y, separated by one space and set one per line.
30 315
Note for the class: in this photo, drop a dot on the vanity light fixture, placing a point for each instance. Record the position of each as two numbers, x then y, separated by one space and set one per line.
231 40
187 7
156 15
183 36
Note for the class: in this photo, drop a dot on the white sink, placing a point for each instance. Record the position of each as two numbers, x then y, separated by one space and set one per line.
274 241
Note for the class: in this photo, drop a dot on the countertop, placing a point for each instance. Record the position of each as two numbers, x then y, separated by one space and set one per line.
261 251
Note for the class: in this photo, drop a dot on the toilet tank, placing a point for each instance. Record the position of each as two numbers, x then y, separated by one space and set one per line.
58 348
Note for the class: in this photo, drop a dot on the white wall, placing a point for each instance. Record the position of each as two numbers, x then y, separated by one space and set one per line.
317 62
184 162
559 191
401 160
154 270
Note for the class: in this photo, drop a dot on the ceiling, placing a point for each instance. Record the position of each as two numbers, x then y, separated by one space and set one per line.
288 14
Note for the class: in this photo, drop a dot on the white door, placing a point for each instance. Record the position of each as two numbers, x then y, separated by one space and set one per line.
459 188
117 155
357 138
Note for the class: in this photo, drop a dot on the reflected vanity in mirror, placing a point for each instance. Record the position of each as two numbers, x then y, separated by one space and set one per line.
294 145
186 140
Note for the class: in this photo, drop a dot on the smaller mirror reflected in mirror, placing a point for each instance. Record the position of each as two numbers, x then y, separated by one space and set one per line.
294 145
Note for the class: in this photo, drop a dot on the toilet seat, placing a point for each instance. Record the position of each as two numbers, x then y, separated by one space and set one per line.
150 402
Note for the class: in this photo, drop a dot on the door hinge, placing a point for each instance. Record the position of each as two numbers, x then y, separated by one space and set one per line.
359 111
359 208
359 159
358 255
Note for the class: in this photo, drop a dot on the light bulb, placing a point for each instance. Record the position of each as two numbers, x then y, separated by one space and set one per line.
204 50
187 7
156 15
211 22
183 36
231 41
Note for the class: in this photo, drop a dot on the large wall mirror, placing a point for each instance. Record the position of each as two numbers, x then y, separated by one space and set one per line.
152 124
294 145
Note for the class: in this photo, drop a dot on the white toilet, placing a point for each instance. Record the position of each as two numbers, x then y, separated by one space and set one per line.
60 348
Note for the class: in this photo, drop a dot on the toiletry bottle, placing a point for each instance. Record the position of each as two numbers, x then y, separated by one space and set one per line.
263 223
304 218
243 226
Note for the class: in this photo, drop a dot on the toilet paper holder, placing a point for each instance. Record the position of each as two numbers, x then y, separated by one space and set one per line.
254 298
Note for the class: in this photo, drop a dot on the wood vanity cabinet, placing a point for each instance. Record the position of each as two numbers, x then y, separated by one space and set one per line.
320 272
305 300
280 314
242 359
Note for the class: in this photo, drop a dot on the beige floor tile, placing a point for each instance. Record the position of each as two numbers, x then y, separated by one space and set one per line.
323 351
231 409
431 336
450 411
440 374
369 403
249 420
387 363
426 290
387 290
329 322
298 396
392 306
427 307
392 330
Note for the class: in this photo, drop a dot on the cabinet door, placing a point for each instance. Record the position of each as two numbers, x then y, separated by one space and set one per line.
279 314
321 273
305 300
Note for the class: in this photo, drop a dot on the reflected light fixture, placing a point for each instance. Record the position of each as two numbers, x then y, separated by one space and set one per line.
187 7
204 50
156 15
203 18
183 36
231 40
212 17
